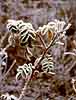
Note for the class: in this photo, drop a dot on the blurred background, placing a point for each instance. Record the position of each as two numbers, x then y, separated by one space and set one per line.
38 12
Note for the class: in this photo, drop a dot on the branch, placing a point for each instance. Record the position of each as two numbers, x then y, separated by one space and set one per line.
9 69
7 46
70 53
69 69
42 40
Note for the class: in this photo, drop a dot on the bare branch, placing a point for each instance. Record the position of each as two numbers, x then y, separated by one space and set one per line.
9 69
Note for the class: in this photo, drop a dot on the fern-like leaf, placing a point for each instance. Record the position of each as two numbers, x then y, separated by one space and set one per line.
26 30
47 65
24 71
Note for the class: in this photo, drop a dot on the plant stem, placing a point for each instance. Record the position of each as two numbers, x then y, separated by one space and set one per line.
42 41
9 69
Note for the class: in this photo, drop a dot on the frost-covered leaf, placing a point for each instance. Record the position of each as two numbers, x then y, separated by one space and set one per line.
24 71
60 43
47 65
8 97
3 58
12 25
68 26
53 27
26 30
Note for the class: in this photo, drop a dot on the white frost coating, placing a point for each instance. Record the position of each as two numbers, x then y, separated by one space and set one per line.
24 71
8 97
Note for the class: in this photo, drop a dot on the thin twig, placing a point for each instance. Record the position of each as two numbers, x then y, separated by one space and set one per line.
9 69
7 46
42 40
38 46
68 70
70 53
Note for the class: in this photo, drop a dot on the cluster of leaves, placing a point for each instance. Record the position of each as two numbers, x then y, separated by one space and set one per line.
53 32
27 33
26 30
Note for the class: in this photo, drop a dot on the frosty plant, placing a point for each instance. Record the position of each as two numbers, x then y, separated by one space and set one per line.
48 65
44 37
8 97
3 59
25 71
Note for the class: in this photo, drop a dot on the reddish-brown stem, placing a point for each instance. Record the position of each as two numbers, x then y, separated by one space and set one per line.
42 40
